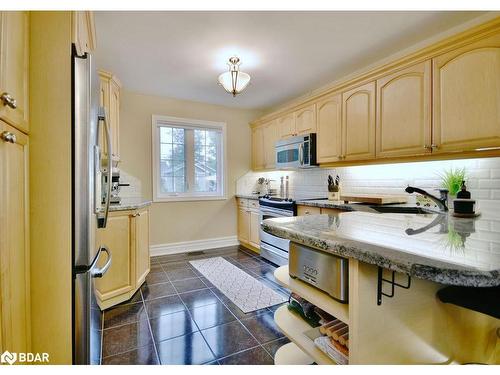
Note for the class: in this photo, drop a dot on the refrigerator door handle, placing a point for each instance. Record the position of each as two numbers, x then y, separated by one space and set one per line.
102 217
99 272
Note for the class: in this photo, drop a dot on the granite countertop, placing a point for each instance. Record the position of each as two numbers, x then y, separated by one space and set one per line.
130 204
436 247
248 196
325 203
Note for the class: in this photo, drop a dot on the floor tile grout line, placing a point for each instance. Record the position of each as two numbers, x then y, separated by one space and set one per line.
126 351
196 324
150 329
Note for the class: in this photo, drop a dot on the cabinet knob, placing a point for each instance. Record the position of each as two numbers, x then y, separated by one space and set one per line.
8 137
427 147
8 100
307 212
434 146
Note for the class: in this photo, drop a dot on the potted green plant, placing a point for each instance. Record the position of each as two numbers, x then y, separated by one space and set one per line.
451 179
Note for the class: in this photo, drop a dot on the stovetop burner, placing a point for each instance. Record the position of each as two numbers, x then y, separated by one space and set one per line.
277 202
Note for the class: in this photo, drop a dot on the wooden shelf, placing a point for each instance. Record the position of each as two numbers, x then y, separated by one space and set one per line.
313 295
291 354
294 327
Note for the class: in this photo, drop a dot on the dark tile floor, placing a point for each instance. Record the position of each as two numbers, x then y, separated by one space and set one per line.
179 317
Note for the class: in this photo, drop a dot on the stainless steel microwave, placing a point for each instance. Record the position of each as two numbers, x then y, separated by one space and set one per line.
296 152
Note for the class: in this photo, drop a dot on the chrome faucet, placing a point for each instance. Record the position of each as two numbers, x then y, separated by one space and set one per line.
441 202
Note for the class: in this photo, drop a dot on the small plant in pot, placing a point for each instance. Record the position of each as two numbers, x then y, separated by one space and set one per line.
451 179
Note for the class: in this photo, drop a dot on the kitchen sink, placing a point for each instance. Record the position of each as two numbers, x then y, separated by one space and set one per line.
400 210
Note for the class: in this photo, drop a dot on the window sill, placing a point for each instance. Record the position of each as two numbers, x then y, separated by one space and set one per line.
189 199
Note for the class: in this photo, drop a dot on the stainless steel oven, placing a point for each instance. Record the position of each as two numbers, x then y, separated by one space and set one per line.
273 248
296 152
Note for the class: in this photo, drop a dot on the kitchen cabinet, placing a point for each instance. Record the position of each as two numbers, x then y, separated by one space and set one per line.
270 136
14 241
110 100
14 60
286 125
127 237
249 223
404 112
466 97
83 32
305 120
258 161
358 123
329 129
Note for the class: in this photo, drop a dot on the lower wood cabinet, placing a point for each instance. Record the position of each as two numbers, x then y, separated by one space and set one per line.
249 224
127 237
14 242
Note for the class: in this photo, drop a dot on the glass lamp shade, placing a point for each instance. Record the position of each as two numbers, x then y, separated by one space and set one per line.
234 81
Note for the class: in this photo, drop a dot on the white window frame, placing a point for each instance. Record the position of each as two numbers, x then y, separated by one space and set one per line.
157 122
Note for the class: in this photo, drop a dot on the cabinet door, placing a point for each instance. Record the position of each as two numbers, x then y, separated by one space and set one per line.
305 120
254 228
243 225
14 245
404 112
329 137
358 123
14 69
114 118
286 125
120 277
257 148
141 227
270 135
466 97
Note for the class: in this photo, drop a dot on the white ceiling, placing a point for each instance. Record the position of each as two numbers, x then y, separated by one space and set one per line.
180 54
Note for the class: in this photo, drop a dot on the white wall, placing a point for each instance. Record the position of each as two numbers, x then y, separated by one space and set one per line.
483 181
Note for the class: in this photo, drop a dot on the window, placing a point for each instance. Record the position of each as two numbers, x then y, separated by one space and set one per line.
188 159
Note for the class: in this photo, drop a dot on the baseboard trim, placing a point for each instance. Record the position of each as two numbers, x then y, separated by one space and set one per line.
189 246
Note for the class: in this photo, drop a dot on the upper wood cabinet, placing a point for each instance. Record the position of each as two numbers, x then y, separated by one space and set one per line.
286 125
329 129
270 136
110 100
83 32
258 148
466 97
14 59
305 120
14 241
358 123
404 112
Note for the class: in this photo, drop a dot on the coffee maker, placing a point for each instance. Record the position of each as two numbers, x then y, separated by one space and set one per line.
115 186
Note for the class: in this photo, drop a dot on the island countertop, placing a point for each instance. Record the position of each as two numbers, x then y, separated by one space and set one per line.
436 247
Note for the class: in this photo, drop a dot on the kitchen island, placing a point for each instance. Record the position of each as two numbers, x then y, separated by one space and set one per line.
426 252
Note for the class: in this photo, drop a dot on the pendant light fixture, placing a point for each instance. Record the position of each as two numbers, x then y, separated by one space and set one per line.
234 81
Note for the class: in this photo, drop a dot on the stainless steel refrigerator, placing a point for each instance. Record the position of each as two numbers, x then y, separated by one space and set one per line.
90 260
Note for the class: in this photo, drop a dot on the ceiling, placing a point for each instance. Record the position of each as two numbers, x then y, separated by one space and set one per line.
181 54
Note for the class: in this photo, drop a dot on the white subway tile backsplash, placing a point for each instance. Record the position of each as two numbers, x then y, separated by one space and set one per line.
483 179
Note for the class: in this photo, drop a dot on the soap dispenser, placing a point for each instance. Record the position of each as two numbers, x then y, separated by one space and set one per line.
463 193
463 206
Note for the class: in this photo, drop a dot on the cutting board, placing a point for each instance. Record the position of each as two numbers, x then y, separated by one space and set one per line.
374 199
